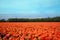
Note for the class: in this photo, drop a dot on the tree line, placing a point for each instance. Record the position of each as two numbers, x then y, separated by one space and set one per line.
53 19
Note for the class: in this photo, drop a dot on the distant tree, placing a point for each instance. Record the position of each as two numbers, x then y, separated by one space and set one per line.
53 19
57 19
2 20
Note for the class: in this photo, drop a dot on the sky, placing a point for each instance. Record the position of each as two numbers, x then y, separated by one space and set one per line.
29 8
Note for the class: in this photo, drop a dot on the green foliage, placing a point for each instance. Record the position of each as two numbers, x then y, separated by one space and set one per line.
37 38
25 39
54 19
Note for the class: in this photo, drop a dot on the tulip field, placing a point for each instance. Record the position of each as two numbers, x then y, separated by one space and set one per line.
29 30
